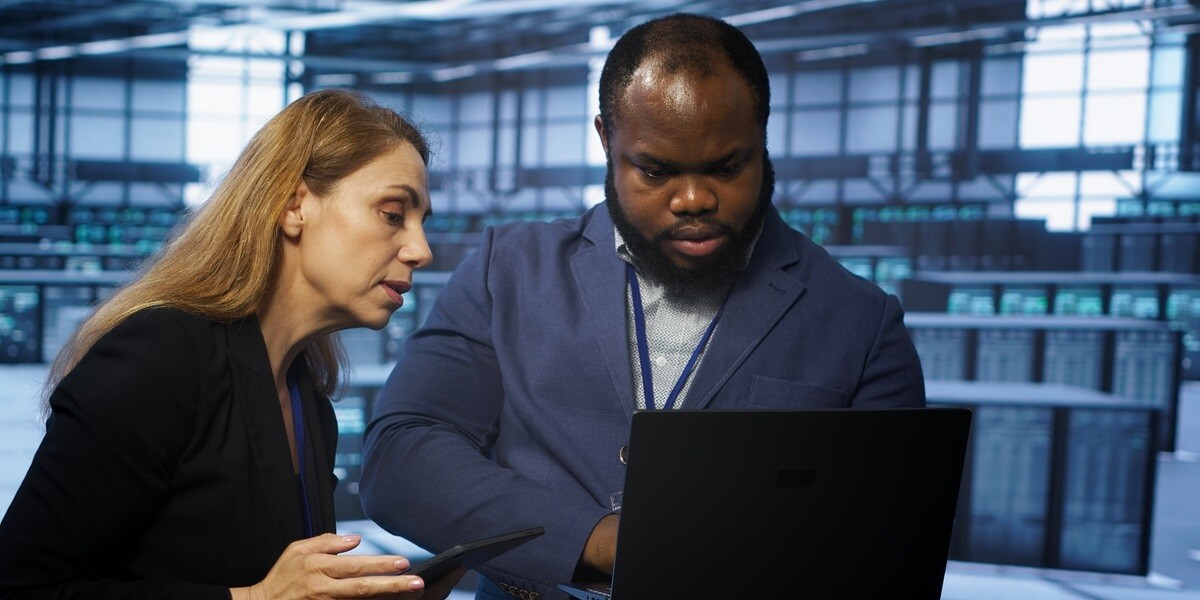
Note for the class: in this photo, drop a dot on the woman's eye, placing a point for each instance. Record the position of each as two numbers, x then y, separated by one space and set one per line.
394 218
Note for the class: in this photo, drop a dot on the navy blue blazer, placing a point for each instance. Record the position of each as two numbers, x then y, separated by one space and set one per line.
165 470
511 402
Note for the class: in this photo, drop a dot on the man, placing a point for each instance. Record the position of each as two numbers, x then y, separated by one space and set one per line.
511 405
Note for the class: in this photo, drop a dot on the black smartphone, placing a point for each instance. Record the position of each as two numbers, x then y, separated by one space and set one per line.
471 554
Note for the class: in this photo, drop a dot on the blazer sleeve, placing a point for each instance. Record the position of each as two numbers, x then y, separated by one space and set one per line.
892 373
426 472
119 422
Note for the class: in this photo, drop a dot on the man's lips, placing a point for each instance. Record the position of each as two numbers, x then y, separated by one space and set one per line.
698 241
694 232
697 248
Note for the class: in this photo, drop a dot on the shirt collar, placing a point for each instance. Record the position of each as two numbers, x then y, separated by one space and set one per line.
622 248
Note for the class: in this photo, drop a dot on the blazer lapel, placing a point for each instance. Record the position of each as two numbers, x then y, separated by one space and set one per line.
758 299
255 392
600 279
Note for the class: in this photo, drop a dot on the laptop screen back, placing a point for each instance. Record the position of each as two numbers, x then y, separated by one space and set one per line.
764 503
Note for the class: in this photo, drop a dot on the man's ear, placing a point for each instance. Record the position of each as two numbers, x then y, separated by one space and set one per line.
291 221
599 122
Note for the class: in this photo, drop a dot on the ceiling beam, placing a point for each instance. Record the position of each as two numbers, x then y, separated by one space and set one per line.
172 45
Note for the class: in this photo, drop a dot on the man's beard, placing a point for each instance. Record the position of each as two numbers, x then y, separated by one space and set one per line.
723 269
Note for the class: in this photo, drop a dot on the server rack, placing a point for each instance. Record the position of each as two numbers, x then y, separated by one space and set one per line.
37 303
1056 477
1006 354
353 409
39 308
402 323
1142 244
73 256
363 346
1099 252
1173 298
20 324
1136 359
1007 509
884 265
1075 357
1019 299
1178 249
946 353
63 309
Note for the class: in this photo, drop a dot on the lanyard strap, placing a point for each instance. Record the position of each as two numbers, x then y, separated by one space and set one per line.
639 325
298 428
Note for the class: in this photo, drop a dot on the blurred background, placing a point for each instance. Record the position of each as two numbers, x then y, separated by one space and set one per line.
1023 174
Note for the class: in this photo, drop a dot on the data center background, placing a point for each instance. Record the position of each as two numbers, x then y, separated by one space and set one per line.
1021 173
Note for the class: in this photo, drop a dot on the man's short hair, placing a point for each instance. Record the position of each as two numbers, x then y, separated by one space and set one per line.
686 43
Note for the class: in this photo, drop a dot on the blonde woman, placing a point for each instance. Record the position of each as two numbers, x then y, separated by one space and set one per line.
189 442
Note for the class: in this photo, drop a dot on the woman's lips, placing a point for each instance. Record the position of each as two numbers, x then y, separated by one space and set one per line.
396 290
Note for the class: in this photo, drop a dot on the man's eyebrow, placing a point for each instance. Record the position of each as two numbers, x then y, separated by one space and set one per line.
646 157
732 156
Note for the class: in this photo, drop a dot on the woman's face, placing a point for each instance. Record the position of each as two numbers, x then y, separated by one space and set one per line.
358 246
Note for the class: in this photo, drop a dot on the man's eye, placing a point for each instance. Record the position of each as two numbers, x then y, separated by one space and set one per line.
728 169
654 172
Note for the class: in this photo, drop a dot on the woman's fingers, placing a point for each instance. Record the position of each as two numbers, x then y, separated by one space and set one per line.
377 585
341 567
314 568
326 543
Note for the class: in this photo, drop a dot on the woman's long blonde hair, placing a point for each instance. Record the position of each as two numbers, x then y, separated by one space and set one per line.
223 261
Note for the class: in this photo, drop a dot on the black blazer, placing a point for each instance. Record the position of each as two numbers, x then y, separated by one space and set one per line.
165 469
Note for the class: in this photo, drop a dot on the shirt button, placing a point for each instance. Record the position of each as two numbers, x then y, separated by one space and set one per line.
660 360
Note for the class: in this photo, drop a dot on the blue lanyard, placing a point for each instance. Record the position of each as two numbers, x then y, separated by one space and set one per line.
298 429
639 325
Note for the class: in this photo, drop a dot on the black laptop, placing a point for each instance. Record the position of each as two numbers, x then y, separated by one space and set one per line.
852 503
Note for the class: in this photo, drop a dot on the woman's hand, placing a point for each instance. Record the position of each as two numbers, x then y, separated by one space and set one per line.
312 568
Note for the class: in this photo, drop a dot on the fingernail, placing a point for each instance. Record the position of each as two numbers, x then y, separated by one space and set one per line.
416 584
402 564
351 538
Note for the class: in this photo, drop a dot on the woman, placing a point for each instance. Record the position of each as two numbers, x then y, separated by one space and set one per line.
189 445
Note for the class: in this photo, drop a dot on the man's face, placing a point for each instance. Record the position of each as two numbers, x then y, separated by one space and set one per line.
688 177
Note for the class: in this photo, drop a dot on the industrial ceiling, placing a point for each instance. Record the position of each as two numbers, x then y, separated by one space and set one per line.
444 39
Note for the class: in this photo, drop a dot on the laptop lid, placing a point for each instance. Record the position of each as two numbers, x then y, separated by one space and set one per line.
768 503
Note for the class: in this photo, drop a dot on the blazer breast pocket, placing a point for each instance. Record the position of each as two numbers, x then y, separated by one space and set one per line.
769 392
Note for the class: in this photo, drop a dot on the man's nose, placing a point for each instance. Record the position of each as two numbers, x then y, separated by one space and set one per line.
693 196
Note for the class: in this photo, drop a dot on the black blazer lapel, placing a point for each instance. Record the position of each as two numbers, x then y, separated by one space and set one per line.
759 298
254 391
600 278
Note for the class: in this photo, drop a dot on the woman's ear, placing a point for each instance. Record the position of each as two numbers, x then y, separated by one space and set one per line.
291 222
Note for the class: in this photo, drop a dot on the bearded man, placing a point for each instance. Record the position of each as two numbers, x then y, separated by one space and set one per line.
685 289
